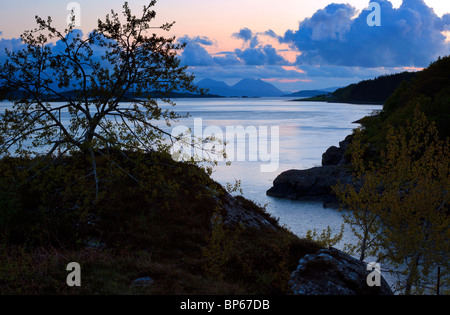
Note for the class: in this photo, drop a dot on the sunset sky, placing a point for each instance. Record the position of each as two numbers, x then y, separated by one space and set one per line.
293 44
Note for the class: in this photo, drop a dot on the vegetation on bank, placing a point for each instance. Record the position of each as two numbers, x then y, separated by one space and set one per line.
170 227
374 91
429 91
399 200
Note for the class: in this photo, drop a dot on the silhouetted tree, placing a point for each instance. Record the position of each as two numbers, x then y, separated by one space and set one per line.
90 95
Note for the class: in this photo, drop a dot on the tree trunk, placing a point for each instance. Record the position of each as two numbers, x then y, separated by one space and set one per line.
412 274
363 249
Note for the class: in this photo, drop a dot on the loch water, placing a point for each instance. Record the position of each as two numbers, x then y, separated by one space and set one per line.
306 131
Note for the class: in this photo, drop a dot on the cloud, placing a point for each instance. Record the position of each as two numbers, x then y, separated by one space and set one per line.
226 59
247 36
446 21
12 44
16 44
202 40
264 55
194 54
410 35
257 53
272 34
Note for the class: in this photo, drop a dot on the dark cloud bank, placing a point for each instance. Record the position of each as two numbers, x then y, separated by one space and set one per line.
337 38
410 35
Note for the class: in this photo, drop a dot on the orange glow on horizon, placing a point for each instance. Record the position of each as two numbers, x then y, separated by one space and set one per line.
412 68
447 35
293 68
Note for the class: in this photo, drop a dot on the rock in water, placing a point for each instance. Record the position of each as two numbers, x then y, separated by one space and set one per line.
316 182
332 272
335 155
332 156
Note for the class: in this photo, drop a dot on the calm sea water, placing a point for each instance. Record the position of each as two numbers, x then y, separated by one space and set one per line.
306 131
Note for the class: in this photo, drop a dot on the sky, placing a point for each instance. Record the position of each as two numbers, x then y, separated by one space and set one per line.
293 44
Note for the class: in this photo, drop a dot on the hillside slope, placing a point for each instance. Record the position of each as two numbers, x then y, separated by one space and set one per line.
375 91
429 89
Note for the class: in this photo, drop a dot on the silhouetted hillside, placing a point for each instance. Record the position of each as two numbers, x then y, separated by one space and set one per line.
306 93
429 89
375 91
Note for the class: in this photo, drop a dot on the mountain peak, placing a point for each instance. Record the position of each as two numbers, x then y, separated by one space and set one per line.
257 87
245 87
212 83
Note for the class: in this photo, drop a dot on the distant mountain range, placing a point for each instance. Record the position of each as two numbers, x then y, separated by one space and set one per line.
254 88
245 87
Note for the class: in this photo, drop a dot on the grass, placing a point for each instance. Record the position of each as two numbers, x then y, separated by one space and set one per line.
156 228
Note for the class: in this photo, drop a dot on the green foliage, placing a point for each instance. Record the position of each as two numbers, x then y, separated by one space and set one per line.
400 208
377 90
236 187
363 199
400 204
167 216
221 243
430 90
325 239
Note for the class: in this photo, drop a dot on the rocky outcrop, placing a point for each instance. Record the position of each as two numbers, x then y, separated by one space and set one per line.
332 156
332 272
336 155
316 182
239 210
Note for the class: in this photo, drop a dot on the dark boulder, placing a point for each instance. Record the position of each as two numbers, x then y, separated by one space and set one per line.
332 156
332 272
312 183
336 155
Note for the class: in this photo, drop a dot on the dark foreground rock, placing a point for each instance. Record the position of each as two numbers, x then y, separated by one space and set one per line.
240 210
316 182
332 272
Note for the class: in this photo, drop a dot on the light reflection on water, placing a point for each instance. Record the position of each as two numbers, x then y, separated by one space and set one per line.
307 130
